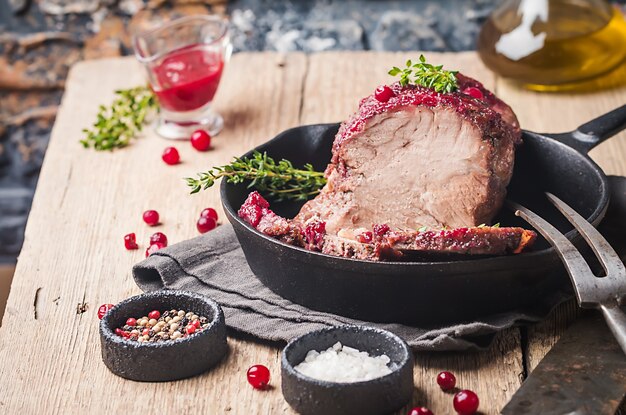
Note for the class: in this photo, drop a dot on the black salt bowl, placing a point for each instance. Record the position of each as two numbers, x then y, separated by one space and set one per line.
165 360
376 396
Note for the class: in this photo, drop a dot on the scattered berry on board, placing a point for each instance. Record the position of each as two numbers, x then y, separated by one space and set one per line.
258 376
421 410
158 237
171 156
446 381
205 224
151 217
102 310
201 140
169 325
465 402
130 241
153 248
209 213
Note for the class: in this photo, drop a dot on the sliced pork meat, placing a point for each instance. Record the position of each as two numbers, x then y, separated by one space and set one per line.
421 158
381 242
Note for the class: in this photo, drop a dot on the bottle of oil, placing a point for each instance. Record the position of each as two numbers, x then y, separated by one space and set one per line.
552 44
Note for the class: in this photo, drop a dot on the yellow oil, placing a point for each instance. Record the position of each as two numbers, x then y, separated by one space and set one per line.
581 42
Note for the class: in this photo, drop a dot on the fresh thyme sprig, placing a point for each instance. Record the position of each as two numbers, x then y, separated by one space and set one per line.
117 124
280 181
426 75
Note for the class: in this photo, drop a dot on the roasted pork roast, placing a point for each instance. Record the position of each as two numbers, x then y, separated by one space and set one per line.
413 170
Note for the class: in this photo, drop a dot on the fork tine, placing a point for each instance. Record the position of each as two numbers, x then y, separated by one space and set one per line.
609 259
575 264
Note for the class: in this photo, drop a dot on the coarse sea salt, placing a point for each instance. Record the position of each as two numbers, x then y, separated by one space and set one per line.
343 364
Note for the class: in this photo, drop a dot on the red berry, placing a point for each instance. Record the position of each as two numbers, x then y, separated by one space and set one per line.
130 241
154 314
422 410
158 237
209 213
429 101
171 156
205 224
151 217
465 402
102 310
191 329
196 323
365 237
131 322
446 380
119 332
383 93
474 92
380 230
153 248
201 140
258 376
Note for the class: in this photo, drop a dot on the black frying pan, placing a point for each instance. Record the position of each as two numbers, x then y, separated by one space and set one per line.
442 291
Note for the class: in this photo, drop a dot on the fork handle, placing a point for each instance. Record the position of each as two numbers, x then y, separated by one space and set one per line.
616 320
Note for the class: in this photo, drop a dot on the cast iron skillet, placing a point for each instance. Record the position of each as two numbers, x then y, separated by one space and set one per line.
433 292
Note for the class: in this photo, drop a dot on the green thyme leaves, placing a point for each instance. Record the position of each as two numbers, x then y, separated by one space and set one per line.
426 75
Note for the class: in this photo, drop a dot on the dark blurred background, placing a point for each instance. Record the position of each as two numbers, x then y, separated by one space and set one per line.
41 39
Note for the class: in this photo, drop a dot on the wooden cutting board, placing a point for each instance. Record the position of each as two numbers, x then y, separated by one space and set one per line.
73 255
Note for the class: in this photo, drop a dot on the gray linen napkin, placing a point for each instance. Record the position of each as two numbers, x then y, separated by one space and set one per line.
214 265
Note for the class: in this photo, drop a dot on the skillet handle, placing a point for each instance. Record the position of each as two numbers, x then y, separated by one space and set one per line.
590 134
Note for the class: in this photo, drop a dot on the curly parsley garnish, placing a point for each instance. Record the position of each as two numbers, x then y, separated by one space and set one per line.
426 75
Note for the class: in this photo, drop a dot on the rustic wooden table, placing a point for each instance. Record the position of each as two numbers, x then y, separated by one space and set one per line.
86 201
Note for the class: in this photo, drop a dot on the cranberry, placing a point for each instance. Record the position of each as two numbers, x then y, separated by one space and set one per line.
465 402
205 224
158 237
365 237
201 140
314 234
151 217
258 376
170 156
153 248
119 332
102 310
446 381
383 93
196 323
422 410
154 314
380 230
130 241
474 92
191 329
131 322
429 101
209 213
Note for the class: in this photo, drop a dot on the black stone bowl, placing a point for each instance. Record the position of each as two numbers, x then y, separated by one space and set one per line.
163 361
376 396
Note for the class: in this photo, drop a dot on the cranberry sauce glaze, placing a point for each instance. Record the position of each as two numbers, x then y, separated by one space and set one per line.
472 101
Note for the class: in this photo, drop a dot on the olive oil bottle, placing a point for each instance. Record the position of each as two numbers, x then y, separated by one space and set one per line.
552 44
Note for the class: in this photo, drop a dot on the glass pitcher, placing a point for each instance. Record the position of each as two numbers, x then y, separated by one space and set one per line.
546 44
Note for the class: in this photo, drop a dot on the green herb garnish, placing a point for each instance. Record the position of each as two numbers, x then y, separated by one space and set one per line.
280 181
117 124
426 75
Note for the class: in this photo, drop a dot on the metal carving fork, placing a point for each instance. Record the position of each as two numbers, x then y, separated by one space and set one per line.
606 293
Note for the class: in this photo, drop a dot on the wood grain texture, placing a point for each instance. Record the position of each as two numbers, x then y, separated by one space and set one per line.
86 201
